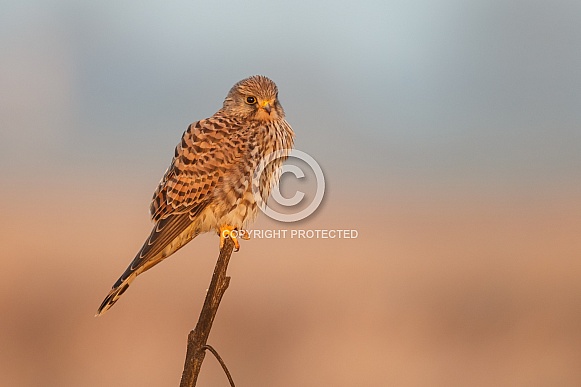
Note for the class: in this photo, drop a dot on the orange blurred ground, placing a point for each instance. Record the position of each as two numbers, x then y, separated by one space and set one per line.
451 291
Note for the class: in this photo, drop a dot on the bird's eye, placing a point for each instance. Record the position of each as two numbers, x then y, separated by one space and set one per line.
250 100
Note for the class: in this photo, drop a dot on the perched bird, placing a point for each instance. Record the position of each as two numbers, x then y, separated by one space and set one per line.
208 186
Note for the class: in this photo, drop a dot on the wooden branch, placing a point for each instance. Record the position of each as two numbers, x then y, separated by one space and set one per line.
199 336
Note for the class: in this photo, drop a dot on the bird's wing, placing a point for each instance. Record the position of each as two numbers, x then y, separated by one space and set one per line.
209 152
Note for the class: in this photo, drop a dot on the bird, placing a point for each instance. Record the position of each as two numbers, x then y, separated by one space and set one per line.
210 181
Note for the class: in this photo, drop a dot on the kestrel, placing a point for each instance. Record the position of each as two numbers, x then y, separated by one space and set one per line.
208 186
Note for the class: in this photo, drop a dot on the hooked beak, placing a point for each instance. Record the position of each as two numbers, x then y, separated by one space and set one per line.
266 106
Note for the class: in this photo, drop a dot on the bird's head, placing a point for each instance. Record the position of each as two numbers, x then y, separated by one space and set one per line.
254 98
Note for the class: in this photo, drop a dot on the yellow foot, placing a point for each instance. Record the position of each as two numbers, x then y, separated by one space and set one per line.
229 232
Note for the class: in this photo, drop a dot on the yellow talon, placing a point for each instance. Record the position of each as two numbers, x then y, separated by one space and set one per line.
229 232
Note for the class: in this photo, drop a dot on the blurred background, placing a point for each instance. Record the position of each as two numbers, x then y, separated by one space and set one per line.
450 137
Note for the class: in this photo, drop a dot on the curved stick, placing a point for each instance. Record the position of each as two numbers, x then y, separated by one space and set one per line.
199 336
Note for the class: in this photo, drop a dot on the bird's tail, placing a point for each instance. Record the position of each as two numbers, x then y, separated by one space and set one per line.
118 289
166 238
142 262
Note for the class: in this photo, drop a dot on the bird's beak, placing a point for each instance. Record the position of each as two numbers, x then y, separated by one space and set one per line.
266 106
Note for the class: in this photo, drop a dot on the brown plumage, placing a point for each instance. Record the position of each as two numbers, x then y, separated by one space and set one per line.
208 186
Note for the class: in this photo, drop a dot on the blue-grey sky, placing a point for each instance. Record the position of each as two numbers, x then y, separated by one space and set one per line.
435 91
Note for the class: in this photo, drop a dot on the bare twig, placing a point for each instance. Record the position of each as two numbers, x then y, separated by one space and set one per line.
199 336
215 353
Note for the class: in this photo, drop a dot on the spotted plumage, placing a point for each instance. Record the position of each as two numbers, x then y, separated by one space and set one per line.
208 186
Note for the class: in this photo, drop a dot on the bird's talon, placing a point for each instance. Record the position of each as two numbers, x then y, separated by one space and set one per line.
229 232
